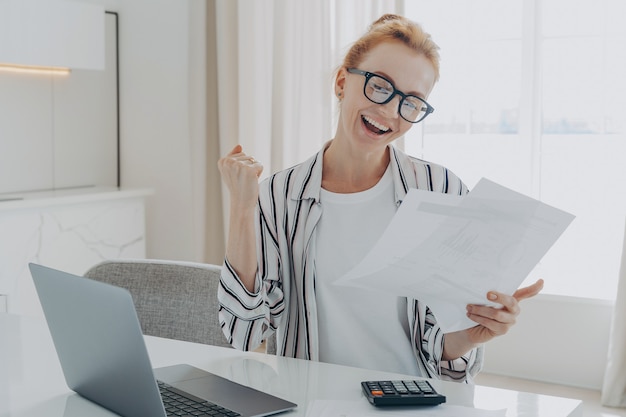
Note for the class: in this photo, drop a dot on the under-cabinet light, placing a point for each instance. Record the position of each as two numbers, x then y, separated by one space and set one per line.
33 69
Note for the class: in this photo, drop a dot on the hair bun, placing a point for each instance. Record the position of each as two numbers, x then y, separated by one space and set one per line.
388 17
392 27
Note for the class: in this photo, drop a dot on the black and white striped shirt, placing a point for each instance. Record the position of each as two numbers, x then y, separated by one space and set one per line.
284 300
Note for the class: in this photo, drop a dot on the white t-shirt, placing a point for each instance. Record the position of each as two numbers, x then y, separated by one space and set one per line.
358 327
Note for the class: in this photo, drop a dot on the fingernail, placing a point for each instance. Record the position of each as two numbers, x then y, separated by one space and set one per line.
492 296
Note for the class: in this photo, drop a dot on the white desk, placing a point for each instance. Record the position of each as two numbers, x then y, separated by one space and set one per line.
32 384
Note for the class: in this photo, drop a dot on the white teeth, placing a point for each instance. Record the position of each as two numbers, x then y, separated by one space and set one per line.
376 124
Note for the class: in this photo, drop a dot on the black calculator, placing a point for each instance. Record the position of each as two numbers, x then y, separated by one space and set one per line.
401 392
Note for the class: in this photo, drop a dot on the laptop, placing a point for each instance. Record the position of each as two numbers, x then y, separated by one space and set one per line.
98 339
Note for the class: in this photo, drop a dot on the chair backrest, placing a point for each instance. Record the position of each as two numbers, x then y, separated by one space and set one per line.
176 300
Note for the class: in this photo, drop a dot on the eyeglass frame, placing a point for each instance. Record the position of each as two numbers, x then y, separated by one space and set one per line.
368 75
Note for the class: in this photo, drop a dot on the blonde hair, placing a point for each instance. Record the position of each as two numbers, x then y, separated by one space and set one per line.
392 27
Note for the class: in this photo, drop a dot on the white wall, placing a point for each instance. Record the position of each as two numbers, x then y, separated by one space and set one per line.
557 339
161 117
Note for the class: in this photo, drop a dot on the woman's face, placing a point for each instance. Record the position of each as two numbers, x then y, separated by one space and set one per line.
373 125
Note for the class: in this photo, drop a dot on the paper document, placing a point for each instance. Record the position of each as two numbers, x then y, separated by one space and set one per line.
449 251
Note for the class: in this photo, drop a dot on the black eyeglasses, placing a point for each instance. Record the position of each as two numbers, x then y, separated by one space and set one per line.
380 90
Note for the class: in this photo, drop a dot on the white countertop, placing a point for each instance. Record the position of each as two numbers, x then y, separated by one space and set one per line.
13 201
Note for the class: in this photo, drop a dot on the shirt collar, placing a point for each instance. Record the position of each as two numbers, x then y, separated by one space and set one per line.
310 175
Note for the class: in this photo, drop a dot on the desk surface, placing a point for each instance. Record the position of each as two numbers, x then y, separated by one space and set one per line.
32 383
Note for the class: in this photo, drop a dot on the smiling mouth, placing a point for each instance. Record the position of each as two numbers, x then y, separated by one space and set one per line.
375 127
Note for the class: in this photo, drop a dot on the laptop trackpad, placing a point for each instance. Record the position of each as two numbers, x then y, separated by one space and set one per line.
244 400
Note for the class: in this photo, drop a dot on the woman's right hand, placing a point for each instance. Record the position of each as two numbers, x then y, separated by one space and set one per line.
240 173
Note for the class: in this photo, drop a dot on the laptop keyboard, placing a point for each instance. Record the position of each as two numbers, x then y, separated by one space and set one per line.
181 404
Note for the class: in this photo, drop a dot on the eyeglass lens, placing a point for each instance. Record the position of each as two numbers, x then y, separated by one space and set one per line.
380 90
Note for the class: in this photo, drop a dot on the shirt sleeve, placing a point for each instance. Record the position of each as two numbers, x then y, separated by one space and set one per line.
428 347
247 318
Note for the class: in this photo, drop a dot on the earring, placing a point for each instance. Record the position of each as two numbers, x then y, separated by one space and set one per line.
339 94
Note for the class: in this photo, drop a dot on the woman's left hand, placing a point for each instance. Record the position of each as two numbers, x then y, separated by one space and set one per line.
495 321
492 321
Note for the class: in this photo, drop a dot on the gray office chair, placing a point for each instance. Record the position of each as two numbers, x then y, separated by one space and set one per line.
176 300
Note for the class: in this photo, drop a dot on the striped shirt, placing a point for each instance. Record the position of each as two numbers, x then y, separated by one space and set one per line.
284 299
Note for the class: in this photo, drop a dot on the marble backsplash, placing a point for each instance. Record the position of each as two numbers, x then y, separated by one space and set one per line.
70 234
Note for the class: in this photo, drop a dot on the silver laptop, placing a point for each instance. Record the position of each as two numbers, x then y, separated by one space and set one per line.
103 355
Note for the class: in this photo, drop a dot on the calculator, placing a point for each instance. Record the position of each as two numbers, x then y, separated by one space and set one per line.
401 392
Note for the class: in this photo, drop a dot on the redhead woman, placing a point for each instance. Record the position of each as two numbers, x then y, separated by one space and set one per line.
291 236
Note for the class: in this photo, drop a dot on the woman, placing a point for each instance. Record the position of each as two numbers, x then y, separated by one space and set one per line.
301 229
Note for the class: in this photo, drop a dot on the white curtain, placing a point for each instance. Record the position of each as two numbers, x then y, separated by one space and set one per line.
276 60
274 79
614 387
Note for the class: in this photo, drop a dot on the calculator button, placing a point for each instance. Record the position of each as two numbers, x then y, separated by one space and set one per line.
412 387
400 388
424 387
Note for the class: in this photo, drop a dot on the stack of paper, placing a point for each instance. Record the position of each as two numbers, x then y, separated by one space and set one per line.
449 251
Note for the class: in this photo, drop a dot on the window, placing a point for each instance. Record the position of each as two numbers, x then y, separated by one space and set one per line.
532 95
